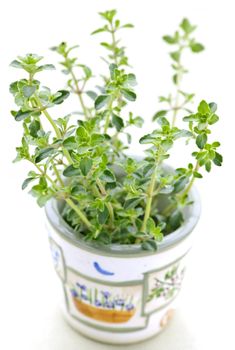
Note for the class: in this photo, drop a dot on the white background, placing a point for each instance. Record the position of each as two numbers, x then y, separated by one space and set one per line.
29 313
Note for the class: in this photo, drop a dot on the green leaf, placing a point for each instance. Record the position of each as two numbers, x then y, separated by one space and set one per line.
71 171
196 47
180 184
208 166
213 119
91 94
21 115
97 139
176 219
150 225
204 108
86 165
103 216
218 160
117 122
108 176
70 143
186 26
201 140
34 127
166 144
60 96
213 107
128 25
169 39
146 139
16 64
26 182
101 101
175 56
28 90
47 67
43 154
161 113
197 175
82 135
149 245
99 30
132 202
129 94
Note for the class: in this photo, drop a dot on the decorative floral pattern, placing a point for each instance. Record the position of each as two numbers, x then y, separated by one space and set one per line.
168 286
102 299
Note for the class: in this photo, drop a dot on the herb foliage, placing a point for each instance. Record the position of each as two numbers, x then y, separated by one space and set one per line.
110 197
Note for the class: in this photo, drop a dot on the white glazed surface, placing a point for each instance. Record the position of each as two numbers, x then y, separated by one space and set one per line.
126 276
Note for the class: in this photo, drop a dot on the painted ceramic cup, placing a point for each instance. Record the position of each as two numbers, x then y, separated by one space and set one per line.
119 294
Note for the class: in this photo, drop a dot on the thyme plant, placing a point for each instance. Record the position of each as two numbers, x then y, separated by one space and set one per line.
108 196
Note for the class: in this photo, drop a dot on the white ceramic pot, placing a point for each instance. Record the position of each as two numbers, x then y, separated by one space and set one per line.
119 294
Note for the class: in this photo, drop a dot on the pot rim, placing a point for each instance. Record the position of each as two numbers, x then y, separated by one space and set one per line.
191 217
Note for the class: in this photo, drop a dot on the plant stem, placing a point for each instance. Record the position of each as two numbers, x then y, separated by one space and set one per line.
55 127
171 206
43 173
49 118
149 200
107 120
188 188
79 212
57 175
79 94
114 44
104 193
178 81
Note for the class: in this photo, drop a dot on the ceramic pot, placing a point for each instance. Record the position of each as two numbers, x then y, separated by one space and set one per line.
119 294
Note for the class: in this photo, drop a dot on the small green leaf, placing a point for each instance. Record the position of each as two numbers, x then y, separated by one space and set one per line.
16 64
132 202
218 160
169 39
146 139
180 184
71 171
213 107
70 143
91 94
34 127
43 154
175 56
108 176
28 90
99 30
128 25
176 219
208 166
186 26
196 47
26 182
101 101
21 115
86 165
117 122
149 245
201 140
62 95
161 113
203 108
103 216
129 94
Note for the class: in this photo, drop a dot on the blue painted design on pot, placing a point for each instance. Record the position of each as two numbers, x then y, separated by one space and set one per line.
101 270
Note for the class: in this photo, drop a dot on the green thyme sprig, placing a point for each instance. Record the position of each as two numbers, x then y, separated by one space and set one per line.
182 40
110 197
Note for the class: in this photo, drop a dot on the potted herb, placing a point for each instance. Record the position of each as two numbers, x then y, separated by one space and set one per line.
119 226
